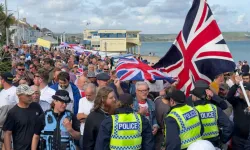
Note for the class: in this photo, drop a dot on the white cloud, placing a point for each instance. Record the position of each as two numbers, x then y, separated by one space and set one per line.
155 20
241 18
149 16
96 22
115 23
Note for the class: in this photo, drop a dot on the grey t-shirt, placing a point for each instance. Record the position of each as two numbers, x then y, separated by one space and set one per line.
161 110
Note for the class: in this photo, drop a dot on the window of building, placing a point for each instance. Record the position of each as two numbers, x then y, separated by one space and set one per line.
121 35
112 35
132 35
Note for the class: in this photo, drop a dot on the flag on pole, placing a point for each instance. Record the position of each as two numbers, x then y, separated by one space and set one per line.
128 69
199 51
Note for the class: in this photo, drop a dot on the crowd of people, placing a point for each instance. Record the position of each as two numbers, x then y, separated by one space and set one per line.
64 101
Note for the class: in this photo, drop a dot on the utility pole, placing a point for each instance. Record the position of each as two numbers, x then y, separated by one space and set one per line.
18 28
7 30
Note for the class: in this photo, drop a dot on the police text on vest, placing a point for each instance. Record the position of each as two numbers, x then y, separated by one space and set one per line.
128 126
189 115
207 115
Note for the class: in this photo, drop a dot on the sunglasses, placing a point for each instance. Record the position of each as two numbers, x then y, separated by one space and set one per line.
20 69
105 69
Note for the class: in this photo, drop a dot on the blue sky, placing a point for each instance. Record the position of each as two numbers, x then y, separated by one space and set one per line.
148 16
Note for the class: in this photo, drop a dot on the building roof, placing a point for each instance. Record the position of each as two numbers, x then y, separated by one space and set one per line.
133 31
45 30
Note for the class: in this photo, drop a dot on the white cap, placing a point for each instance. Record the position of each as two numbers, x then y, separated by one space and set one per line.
201 145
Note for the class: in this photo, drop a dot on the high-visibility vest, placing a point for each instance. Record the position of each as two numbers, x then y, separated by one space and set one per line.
209 117
189 124
126 132
55 135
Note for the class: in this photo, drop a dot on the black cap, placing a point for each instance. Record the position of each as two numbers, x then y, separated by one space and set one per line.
126 99
246 86
200 87
62 95
7 77
102 76
178 96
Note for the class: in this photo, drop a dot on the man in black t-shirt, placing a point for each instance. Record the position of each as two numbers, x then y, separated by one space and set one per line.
20 121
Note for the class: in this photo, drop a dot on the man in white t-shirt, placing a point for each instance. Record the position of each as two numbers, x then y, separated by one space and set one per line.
8 98
85 105
8 94
41 80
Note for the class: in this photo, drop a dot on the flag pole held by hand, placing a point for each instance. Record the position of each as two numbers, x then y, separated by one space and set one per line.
244 91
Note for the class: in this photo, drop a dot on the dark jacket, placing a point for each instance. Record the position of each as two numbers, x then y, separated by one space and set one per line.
76 95
245 68
91 128
223 122
241 120
216 100
173 141
103 139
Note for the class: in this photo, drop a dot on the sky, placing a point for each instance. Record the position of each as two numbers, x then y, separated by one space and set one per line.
148 16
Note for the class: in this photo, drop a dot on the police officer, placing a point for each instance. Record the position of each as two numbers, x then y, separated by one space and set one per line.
212 117
183 125
125 130
58 128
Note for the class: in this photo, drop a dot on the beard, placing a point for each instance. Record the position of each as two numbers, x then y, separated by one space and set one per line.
110 108
64 87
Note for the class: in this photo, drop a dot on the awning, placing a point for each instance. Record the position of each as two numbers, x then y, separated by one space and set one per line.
43 43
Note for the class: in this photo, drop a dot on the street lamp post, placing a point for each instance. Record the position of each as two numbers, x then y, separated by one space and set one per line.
7 30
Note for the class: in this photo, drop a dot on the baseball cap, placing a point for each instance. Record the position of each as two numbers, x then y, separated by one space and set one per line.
62 95
177 96
126 99
200 87
102 76
24 89
7 77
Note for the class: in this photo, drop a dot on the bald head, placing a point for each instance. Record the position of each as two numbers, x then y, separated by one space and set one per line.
90 91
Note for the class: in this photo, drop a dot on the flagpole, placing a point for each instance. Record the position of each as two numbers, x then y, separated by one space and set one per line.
244 91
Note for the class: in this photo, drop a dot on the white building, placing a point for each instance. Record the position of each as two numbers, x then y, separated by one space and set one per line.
24 33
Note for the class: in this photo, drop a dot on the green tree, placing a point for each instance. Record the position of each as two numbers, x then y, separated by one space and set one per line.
5 22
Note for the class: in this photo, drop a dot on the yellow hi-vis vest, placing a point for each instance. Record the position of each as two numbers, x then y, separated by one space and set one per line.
126 132
209 117
189 124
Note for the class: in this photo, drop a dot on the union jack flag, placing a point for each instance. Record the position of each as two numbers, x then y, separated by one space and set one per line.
199 52
128 69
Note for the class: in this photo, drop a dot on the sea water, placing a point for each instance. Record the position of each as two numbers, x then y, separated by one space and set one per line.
239 49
